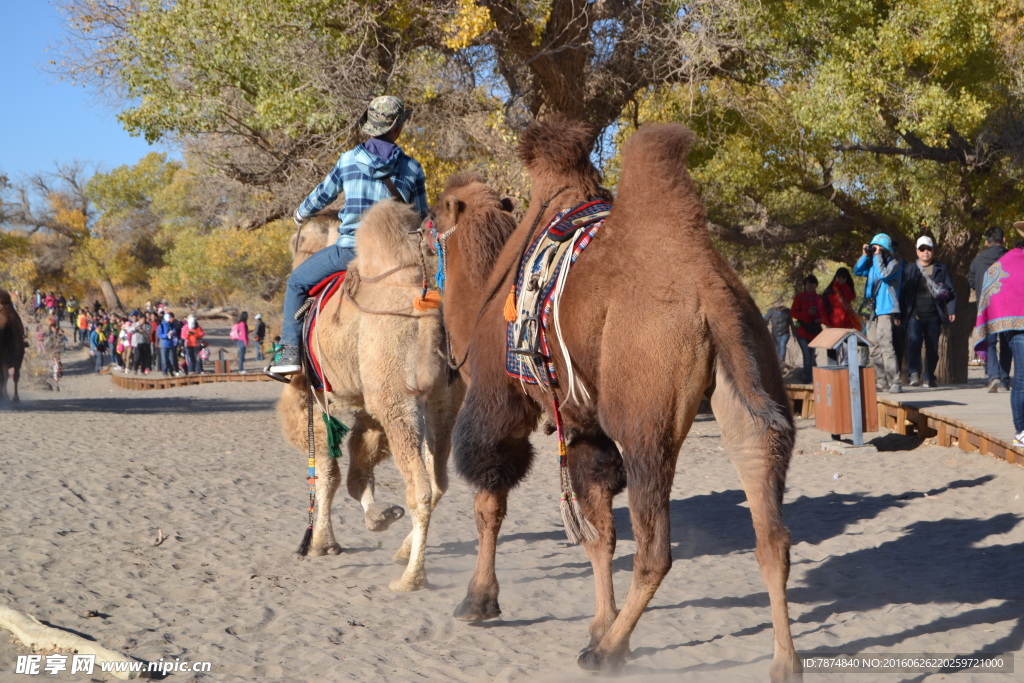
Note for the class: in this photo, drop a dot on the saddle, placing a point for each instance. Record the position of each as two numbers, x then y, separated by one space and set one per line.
319 295
533 302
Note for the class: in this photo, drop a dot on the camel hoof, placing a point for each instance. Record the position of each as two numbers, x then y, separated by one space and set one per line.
329 549
592 659
475 611
380 516
403 586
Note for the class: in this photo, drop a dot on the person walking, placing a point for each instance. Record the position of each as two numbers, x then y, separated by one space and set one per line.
883 269
997 362
240 334
779 322
806 314
1001 311
369 173
927 304
259 335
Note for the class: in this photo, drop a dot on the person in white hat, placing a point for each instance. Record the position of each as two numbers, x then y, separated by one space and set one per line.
368 173
927 304
259 335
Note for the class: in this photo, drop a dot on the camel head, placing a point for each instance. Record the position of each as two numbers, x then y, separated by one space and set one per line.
477 223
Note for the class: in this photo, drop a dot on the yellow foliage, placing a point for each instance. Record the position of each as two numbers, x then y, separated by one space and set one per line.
470 21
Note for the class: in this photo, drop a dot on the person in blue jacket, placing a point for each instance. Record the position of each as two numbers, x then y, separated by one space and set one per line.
167 333
883 269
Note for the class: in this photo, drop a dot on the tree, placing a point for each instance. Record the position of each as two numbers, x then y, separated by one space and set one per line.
904 118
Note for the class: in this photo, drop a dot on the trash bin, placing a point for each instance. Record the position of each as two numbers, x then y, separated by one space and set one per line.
832 412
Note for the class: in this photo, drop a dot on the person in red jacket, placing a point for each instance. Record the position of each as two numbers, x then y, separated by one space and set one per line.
806 312
837 308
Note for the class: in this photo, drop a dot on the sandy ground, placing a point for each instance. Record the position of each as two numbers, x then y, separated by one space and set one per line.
914 549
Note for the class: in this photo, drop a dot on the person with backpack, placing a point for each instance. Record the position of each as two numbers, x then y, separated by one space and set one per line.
368 173
240 334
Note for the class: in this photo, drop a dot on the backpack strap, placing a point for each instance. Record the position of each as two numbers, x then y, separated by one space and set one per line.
390 184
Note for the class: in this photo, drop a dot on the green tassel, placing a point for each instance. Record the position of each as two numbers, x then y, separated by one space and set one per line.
336 431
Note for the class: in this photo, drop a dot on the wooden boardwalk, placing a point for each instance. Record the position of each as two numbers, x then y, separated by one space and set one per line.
965 416
158 381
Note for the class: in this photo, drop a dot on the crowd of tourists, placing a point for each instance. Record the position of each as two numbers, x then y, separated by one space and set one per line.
902 312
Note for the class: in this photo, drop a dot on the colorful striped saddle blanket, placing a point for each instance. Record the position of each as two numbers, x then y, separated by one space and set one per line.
539 284
319 295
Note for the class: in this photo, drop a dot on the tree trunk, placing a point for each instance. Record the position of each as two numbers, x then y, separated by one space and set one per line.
110 296
953 351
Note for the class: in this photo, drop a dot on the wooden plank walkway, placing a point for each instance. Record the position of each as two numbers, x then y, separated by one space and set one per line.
966 417
151 381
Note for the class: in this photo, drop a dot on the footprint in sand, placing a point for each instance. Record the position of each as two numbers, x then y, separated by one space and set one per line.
247 629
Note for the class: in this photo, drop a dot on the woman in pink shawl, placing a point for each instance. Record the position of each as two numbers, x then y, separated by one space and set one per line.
1001 311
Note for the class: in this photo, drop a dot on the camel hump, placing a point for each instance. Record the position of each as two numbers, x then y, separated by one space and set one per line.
657 150
5 298
384 238
557 146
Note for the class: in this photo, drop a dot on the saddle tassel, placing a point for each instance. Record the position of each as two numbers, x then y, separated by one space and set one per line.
510 306
577 527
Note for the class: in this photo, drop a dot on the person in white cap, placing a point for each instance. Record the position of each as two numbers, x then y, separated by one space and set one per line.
259 335
370 172
927 304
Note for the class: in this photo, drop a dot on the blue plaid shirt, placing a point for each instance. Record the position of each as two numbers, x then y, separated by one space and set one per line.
359 175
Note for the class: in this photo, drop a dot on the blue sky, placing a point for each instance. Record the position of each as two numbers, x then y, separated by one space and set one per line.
43 120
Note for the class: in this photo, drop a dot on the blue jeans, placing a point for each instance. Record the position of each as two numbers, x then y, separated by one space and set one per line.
997 366
323 263
241 356
101 360
192 362
1016 344
925 330
809 360
780 347
169 360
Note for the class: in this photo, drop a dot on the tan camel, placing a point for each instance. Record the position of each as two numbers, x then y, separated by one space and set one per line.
316 233
384 362
654 320
12 345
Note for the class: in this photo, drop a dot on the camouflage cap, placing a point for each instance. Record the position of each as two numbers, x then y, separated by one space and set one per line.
383 114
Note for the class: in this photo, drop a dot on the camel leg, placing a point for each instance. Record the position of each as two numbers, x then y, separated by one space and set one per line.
367 447
440 418
481 601
406 440
598 476
292 412
761 456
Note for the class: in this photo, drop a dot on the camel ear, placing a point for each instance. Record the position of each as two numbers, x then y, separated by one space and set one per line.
507 205
455 207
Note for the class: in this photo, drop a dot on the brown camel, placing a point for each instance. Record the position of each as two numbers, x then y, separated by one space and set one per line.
654 320
316 233
383 360
12 344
